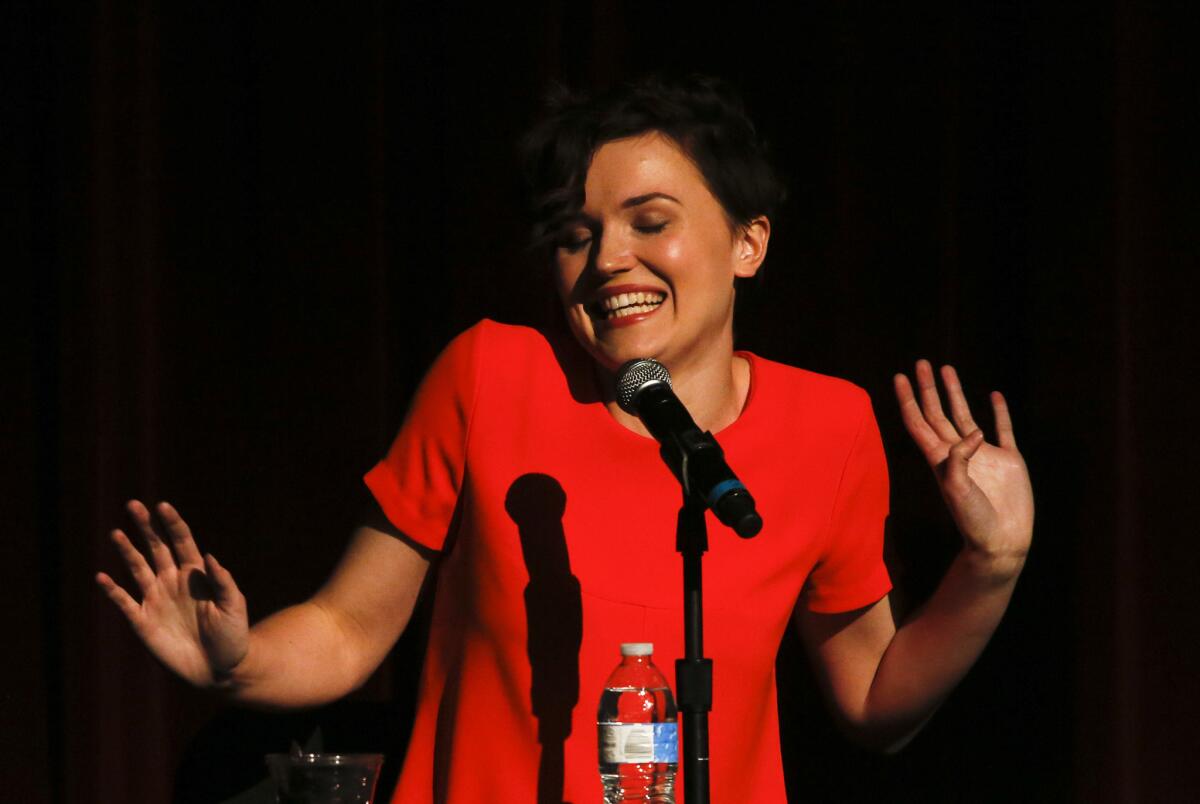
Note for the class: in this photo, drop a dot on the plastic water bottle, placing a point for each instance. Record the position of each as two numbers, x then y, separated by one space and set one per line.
638 730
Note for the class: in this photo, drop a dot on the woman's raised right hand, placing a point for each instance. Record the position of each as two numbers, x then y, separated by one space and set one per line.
191 616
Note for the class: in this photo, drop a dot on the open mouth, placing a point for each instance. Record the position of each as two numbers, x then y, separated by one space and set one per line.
623 305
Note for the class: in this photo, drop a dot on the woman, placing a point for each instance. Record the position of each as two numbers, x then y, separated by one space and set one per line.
550 515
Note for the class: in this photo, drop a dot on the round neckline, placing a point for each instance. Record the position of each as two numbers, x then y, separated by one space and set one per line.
736 425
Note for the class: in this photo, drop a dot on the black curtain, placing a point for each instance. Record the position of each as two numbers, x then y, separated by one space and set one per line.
238 233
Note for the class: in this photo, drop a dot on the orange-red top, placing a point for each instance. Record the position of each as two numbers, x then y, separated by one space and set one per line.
557 531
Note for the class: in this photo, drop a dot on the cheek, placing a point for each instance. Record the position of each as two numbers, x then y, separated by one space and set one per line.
566 275
704 244
671 257
676 251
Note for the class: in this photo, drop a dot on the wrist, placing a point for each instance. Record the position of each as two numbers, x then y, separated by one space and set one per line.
994 568
229 680
224 684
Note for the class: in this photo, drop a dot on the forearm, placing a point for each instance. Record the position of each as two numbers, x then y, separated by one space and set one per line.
936 647
300 656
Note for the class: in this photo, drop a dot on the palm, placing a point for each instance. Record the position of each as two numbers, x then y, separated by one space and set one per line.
191 617
986 486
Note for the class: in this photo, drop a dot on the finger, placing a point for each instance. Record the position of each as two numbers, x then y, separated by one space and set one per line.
910 413
957 481
159 552
225 590
138 568
1004 429
122 599
931 404
959 410
180 534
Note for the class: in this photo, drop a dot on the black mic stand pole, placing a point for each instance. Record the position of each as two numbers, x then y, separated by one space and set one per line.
698 463
693 673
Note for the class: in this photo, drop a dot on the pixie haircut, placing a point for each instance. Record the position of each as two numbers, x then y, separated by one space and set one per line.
703 115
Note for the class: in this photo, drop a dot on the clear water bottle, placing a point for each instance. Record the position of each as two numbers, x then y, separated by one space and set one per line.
638 730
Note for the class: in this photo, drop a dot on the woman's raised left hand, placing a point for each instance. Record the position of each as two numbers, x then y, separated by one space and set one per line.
985 486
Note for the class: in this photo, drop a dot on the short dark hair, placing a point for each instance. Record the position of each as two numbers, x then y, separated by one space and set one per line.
704 115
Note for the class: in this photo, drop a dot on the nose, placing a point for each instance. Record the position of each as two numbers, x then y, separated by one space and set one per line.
613 255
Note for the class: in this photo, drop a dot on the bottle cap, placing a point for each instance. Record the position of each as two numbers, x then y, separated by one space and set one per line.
637 648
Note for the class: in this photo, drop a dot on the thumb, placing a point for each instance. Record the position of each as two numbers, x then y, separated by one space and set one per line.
224 589
957 482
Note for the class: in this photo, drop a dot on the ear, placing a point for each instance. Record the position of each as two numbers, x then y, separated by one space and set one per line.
750 245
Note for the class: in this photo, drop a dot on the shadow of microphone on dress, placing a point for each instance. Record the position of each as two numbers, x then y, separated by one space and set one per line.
554 616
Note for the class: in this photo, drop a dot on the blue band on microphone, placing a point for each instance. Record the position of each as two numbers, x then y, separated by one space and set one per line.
718 491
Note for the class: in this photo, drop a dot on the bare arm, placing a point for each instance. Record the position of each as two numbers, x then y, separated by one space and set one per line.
192 616
321 649
886 683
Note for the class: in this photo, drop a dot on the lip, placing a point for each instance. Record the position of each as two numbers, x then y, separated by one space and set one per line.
625 320
616 290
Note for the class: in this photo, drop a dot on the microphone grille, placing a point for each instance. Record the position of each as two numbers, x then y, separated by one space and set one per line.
636 375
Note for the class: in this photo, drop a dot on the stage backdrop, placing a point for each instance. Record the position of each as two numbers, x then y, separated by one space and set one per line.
241 232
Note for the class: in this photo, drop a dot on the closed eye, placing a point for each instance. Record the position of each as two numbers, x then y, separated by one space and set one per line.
652 228
574 242
576 246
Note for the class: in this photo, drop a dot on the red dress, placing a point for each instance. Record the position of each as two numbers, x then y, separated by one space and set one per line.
556 526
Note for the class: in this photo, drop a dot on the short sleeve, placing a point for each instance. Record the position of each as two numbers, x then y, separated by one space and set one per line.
850 572
418 482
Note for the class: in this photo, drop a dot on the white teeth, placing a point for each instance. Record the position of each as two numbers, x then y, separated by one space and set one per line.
624 304
624 300
633 310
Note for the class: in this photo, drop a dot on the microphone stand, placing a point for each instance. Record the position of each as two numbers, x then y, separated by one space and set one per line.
693 673
697 461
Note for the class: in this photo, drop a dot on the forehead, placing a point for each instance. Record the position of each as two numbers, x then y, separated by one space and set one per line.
647 163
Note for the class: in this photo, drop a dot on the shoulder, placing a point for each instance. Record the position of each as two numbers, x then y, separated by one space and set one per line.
503 338
488 342
512 359
834 400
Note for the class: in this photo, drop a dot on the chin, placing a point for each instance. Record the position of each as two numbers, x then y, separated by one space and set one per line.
606 357
612 348
613 354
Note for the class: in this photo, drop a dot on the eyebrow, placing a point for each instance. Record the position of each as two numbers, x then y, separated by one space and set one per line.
638 200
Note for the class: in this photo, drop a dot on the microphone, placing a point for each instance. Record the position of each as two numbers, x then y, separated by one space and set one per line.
644 390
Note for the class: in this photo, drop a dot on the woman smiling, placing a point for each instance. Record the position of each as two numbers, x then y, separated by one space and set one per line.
546 509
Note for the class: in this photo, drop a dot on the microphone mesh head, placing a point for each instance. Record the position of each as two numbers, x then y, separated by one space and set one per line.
636 375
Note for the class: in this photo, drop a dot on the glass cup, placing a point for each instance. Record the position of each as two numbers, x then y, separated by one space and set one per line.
324 778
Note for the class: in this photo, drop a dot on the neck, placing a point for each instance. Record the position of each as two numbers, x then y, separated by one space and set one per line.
714 391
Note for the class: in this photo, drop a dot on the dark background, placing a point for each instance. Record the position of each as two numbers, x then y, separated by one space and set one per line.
237 233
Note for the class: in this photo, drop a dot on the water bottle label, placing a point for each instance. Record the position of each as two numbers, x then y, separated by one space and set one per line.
639 742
